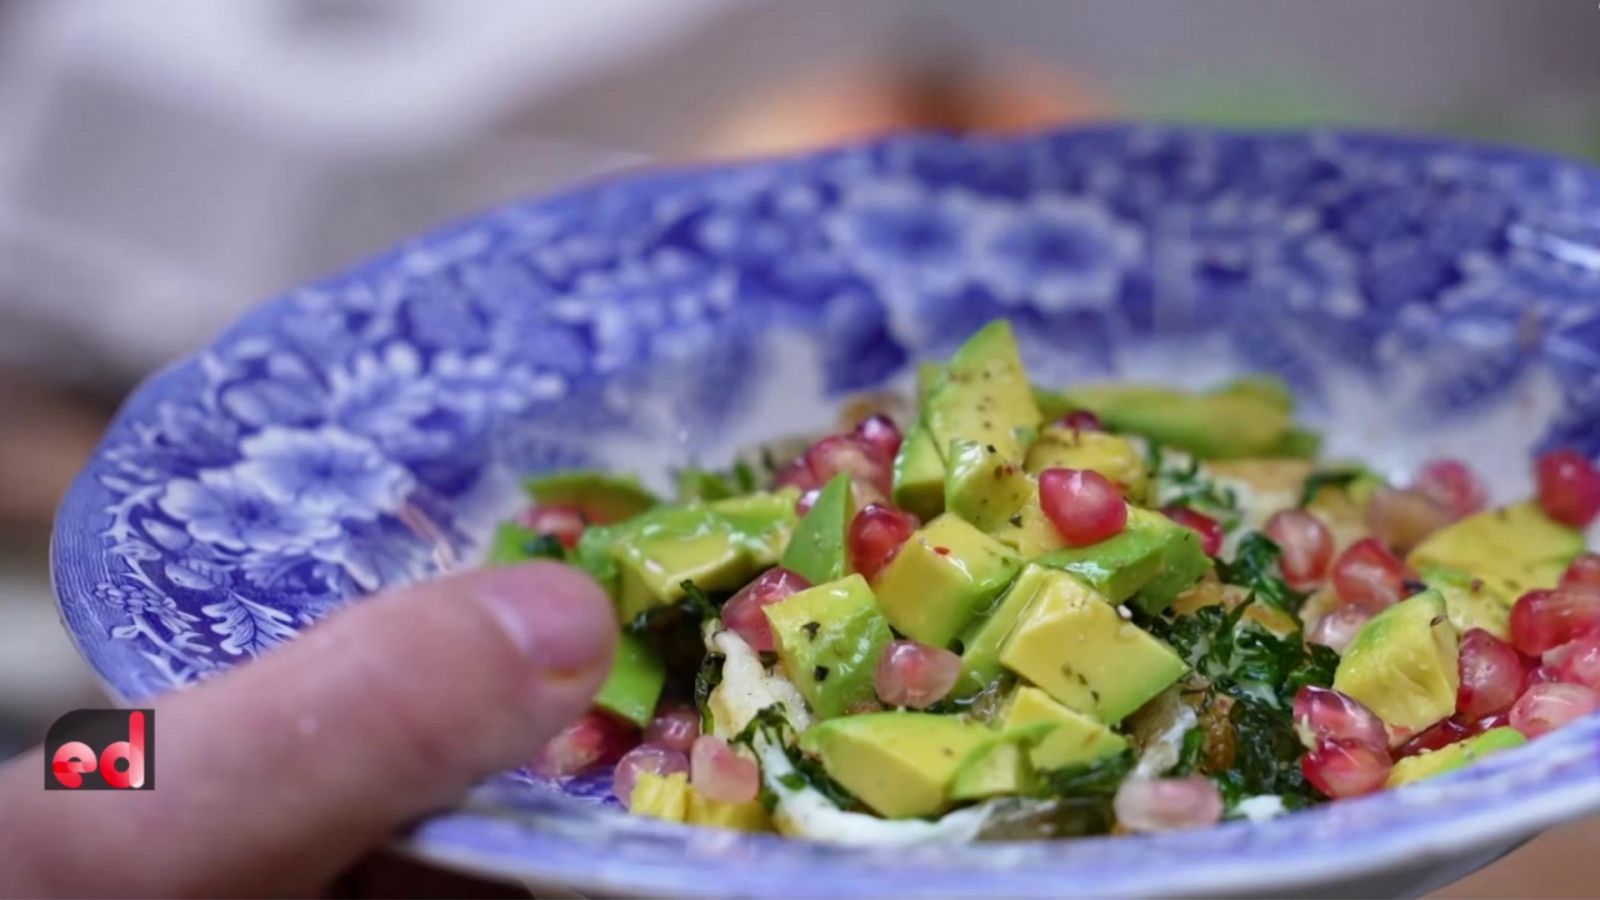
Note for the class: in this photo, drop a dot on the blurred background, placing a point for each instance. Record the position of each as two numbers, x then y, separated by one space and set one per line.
166 163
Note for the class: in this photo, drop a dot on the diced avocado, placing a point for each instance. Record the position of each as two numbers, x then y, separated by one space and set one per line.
1113 456
995 769
919 475
1029 532
761 522
1402 665
983 487
1072 738
1453 757
980 656
1074 645
514 543
634 686
817 549
1154 557
1298 443
1269 389
829 638
898 763
747 816
657 796
652 569
1513 549
603 498
983 395
928 375
700 484
1469 603
943 576
1221 424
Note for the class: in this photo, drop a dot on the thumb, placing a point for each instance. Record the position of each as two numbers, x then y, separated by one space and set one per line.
278 774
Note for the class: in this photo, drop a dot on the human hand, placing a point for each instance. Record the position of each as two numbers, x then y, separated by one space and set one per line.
278 775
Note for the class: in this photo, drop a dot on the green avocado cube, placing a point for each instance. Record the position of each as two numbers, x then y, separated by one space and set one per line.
983 395
1227 423
817 549
634 686
1153 557
1454 756
942 577
1111 455
997 768
603 498
1512 550
919 475
1070 738
983 487
1402 665
829 639
900 764
515 543
980 654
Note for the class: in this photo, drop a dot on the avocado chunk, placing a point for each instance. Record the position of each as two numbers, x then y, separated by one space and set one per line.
515 543
919 475
1453 757
1029 531
1111 455
657 796
1226 423
817 549
941 578
1403 665
634 686
898 763
980 656
999 767
983 487
1075 645
1513 549
747 816
983 395
1154 557
1469 602
1072 737
829 638
603 498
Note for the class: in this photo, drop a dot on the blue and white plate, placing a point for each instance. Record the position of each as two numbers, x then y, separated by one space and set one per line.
1421 296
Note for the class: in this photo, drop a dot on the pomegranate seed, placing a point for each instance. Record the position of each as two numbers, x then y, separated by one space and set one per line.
1083 505
1367 574
720 774
1453 485
1546 707
876 534
1209 529
641 759
1339 627
1583 571
594 740
1342 769
1491 675
1541 620
1167 804
1577 662
1081 420
1402 518
742 613
806 501
1305 545
845 454
564 523
1323 714
1569 487
1538 675
674 727
880 434
1489 723
796 474
915 675
1443 734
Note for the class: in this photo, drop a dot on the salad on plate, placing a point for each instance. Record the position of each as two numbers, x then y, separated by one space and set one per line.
1022 612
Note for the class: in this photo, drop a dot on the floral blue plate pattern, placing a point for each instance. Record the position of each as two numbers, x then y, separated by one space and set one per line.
368 430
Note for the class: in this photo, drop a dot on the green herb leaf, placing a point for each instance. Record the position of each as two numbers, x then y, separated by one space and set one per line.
771 723
1182 482
1255 567
706 679
1081 795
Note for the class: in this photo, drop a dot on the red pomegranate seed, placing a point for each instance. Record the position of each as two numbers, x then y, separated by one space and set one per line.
1491 675
796 474
641 759
1453 485
915 675
1209 529
1403 518
1367 574
845 454
1081 420
1576 662
1546 707
1584 571
1342 769
1538 674
722 775
1569 487
1442 734
1541 620
564 523
876 534
1339 627
674 727
1167 804
594 740
1323 714
1305 545
1083 505
881 434
742 613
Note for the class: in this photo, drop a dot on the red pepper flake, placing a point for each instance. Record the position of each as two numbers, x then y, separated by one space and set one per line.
942 551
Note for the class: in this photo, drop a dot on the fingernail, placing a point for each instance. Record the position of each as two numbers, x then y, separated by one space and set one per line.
557 616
